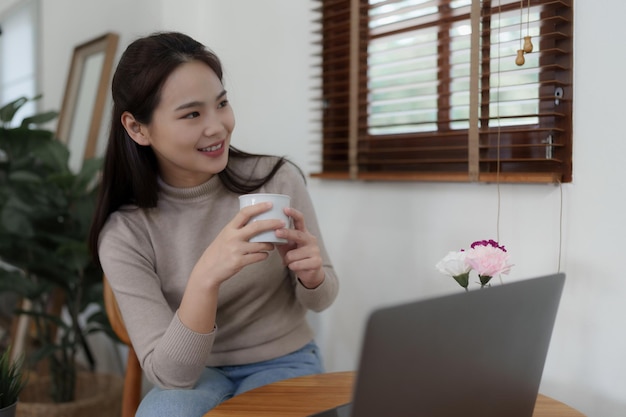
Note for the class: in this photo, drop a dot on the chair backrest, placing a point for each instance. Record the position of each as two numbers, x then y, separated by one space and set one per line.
131 396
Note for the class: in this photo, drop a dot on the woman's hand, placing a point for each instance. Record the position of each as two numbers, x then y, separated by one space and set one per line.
231 250
301 254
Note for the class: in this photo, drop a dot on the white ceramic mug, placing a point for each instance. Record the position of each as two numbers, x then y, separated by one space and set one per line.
279 201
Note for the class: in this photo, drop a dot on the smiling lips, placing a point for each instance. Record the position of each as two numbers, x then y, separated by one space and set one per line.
212 148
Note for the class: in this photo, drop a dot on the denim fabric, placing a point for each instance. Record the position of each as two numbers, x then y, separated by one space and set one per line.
221 383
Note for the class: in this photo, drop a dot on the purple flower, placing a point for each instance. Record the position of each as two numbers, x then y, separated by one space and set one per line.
489 242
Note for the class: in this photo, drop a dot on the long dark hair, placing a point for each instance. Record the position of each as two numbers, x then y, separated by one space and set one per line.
130 171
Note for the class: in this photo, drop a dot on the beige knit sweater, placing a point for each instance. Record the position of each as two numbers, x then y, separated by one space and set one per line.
148 255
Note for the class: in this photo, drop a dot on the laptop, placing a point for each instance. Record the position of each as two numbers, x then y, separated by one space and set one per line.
478 353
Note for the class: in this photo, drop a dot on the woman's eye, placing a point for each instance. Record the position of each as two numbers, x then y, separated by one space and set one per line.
223 103
192 115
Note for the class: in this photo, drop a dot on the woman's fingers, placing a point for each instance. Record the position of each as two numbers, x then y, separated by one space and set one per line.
244 221
247 213
258 226
297 218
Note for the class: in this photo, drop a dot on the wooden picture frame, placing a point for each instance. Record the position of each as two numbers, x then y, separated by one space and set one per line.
86 94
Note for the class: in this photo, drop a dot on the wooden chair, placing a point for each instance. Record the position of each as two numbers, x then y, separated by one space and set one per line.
133 376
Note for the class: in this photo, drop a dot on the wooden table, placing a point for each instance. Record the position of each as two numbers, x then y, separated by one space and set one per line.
303 396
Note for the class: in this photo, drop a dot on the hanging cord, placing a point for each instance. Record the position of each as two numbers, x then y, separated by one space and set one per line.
519 59
526 48
521 23
498 130
558 265
497 81
528 45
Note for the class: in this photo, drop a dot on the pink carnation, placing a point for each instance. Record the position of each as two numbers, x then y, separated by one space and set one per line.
488 259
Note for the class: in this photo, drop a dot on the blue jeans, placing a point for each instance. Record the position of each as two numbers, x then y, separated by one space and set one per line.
221 383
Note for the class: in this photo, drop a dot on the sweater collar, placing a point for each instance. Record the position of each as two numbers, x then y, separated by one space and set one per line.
189 193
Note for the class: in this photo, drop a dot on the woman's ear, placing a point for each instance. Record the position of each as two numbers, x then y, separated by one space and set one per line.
135 130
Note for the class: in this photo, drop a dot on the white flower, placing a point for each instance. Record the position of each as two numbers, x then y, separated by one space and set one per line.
453 264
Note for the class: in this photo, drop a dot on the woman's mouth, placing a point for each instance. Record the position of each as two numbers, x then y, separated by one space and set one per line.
212 148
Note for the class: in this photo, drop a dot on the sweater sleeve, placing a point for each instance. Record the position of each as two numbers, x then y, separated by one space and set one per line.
171 355
291 182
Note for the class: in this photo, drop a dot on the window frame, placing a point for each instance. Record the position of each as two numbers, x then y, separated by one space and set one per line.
489 154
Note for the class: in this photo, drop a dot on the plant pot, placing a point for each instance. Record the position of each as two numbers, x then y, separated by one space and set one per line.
8 411
97 395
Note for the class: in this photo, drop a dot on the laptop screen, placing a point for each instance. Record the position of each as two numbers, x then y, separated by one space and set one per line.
478 353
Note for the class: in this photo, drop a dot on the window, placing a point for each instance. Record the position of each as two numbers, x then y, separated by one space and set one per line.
18 56
433 90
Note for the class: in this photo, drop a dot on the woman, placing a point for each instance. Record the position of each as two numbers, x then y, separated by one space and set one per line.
210 314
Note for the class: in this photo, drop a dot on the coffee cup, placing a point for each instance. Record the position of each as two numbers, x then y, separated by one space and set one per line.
279 202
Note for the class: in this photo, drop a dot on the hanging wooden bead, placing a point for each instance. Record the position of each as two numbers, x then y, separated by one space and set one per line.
528 45
519 61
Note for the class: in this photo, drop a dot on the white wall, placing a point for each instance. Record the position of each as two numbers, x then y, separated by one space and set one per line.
384 258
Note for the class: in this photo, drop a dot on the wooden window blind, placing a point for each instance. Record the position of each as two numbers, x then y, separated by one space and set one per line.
430 90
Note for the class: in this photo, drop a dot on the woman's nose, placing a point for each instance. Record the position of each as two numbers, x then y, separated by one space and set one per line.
213 126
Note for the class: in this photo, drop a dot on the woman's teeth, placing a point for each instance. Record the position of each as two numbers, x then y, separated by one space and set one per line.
211 148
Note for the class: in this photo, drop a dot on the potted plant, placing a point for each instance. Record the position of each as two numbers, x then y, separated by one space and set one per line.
12 380
45 213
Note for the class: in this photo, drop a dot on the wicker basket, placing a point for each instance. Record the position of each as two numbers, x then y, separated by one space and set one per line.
97 395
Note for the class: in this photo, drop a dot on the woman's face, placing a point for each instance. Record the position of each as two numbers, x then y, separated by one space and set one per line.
191 127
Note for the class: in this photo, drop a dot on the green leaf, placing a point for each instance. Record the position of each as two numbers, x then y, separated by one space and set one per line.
484 279
75 254
25 177
44 352
462 279
8 110
40 118
17 283
56 320
14 217
54 155
88 174
12 379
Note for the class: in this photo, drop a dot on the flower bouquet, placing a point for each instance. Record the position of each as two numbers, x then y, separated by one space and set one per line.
487 257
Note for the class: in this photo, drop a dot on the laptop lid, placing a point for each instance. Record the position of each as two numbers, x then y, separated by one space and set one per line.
478 353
